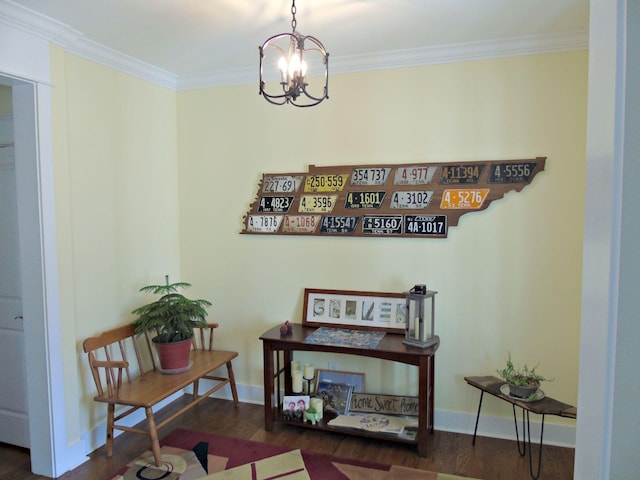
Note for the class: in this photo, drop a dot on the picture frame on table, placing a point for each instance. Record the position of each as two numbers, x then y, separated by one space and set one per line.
336 396
383 311
293 406
335 376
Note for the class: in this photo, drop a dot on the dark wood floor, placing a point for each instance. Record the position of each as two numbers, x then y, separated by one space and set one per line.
489 459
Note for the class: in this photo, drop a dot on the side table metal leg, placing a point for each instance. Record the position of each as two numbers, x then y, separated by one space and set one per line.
522 450
475 430
537 475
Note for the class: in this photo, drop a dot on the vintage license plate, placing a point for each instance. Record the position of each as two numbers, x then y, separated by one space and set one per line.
275 204
300 223
317 203
464 198
382 224
368 177
411 199
264 223
364 199
470 173
435 225
338 224
511 172
281 183
325 183
415 175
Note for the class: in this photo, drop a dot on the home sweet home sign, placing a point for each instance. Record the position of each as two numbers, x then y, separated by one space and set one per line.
417 200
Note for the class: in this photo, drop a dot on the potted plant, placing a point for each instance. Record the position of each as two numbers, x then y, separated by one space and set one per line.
523 381
172 318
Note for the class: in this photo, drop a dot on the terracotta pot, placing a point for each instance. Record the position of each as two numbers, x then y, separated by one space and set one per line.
174 357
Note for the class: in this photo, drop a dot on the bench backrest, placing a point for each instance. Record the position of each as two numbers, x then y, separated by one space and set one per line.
109 354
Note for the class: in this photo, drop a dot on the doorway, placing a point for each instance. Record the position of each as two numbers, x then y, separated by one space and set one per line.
14 421
37 261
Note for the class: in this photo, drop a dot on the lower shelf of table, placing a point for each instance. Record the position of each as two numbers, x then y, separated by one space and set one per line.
324 426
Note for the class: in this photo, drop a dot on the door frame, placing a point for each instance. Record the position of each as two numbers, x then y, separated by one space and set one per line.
27 69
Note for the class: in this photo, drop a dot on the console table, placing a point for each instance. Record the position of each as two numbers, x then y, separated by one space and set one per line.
278 352
545 406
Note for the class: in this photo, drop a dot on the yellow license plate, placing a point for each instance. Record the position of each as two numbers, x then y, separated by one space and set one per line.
464 198
317 203
325 183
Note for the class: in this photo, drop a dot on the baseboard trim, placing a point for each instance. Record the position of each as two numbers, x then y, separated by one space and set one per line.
447 421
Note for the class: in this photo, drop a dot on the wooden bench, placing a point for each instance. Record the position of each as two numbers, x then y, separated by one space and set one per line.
141 384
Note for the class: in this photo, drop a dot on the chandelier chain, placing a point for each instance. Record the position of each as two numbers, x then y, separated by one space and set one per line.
293 15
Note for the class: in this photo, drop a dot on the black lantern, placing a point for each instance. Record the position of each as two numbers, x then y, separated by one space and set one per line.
420 317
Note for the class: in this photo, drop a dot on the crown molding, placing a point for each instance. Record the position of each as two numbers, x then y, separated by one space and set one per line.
109 57
74 42
464 52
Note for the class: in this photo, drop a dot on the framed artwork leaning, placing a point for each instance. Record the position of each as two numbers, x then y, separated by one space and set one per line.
355 310
336 396
348 378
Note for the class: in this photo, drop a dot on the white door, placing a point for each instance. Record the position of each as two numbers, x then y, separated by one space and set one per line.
14 421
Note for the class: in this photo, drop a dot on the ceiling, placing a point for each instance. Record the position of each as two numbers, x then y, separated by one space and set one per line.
217 40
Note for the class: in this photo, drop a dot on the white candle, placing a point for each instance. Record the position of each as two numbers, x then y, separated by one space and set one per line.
416 327
296 381
308 371
317 404
295 366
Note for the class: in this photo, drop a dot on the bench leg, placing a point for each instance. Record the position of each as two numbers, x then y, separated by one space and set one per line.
196 386
232 382
111 408
153 434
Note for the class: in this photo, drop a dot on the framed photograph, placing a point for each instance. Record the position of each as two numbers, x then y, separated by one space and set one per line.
336 396
348 378
294 406
351 309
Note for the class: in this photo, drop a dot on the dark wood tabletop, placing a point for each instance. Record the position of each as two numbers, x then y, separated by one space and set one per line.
545 406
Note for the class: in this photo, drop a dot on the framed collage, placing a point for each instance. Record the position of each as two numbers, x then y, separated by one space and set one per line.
353 309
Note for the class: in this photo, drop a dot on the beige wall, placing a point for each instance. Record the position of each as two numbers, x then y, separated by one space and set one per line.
116 205
508 277
152 182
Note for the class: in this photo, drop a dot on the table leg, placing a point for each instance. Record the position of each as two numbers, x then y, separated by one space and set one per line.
268 386
526 440
423 405
475 430
537 475
432 376
522 450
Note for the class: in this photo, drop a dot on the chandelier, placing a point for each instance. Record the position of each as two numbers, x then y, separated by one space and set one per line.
287 61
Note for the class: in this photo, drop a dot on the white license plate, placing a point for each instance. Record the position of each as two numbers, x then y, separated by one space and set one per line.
409 199
264 223
281 183
415 175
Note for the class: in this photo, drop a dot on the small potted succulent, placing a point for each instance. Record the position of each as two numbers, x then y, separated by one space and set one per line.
172 318
523 381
